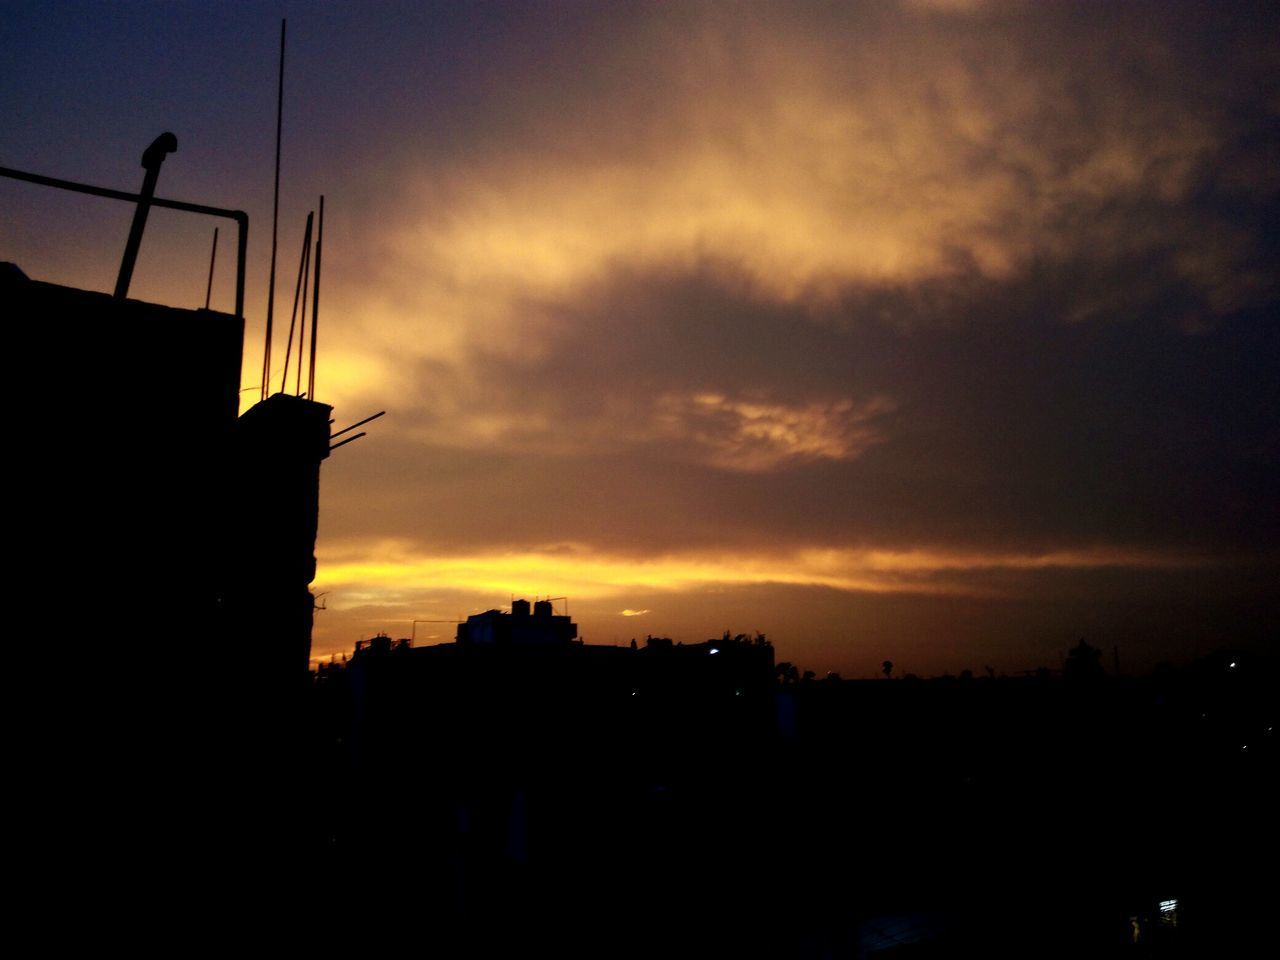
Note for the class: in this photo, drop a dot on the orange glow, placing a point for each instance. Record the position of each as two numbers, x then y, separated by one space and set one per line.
822 175
359 573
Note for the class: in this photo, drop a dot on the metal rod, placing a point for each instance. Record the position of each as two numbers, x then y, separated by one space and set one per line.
152 158
358 423
315 308
302 319
241 254
298 291
348 440
213 258
239 216
275 222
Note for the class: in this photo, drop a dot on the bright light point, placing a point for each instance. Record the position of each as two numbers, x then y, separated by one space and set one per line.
715 650
1231 665
1168 906
633 613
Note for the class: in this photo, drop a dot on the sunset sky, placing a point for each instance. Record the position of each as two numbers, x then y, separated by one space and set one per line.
937 331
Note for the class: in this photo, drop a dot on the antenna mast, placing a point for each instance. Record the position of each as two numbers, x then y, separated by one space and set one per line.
299 292
275 221
315 309
213 258
302 319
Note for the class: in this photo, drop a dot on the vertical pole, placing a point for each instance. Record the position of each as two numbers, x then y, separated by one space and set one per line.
152 157
242 252
299 291
315 307
275 220
302 317
213 258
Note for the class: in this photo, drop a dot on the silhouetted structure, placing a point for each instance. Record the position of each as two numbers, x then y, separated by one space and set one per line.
126 551
180 534
519 628
952 816
280 444
544 772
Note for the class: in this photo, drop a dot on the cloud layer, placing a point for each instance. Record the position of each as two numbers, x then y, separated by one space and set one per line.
863 299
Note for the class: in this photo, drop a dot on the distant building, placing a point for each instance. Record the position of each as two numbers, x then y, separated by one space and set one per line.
521 766
519 628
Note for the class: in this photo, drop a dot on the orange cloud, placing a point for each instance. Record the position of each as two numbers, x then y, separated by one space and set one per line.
801 159
756 435
357 573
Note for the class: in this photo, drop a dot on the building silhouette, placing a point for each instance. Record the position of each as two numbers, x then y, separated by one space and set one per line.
162 535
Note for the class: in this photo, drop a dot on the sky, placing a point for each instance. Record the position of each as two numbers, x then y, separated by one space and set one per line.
940 332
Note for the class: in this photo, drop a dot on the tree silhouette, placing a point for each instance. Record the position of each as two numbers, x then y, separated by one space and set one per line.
887 668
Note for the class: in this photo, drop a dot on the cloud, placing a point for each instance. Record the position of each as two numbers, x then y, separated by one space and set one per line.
816 152
756 435
951 6
1014 426
590 573
589 259
932 607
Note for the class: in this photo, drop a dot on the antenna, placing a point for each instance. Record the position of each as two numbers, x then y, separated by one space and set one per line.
275 221
343 443
213 258
302 320
358 423
299 290
315 309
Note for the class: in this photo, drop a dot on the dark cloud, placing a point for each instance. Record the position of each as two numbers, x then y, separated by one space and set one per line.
1009 420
